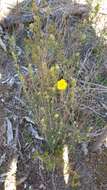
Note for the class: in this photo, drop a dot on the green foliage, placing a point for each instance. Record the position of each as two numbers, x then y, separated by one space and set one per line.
101 79
75 181
50 161
46 159
54 108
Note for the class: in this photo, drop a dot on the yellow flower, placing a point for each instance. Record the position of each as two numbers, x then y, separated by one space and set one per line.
72 94
56 116
54 70
61 84
52 37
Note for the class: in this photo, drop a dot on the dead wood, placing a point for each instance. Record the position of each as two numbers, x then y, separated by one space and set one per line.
99 140
70 10
79 10
12 20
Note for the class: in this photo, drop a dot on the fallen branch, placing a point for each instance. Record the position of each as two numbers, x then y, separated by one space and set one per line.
79 10
66 10
17 19
99 140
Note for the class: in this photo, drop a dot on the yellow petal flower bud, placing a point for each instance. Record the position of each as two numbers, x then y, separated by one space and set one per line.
73 83
62 85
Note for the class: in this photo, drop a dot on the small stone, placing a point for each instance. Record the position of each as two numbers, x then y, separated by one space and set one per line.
42 186
1 31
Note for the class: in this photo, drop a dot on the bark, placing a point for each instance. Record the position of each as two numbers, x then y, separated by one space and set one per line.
99 140
15 19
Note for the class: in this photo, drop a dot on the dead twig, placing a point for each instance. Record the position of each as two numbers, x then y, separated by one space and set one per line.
15 19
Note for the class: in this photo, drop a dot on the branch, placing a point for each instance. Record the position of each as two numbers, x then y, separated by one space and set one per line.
24 18
99 140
